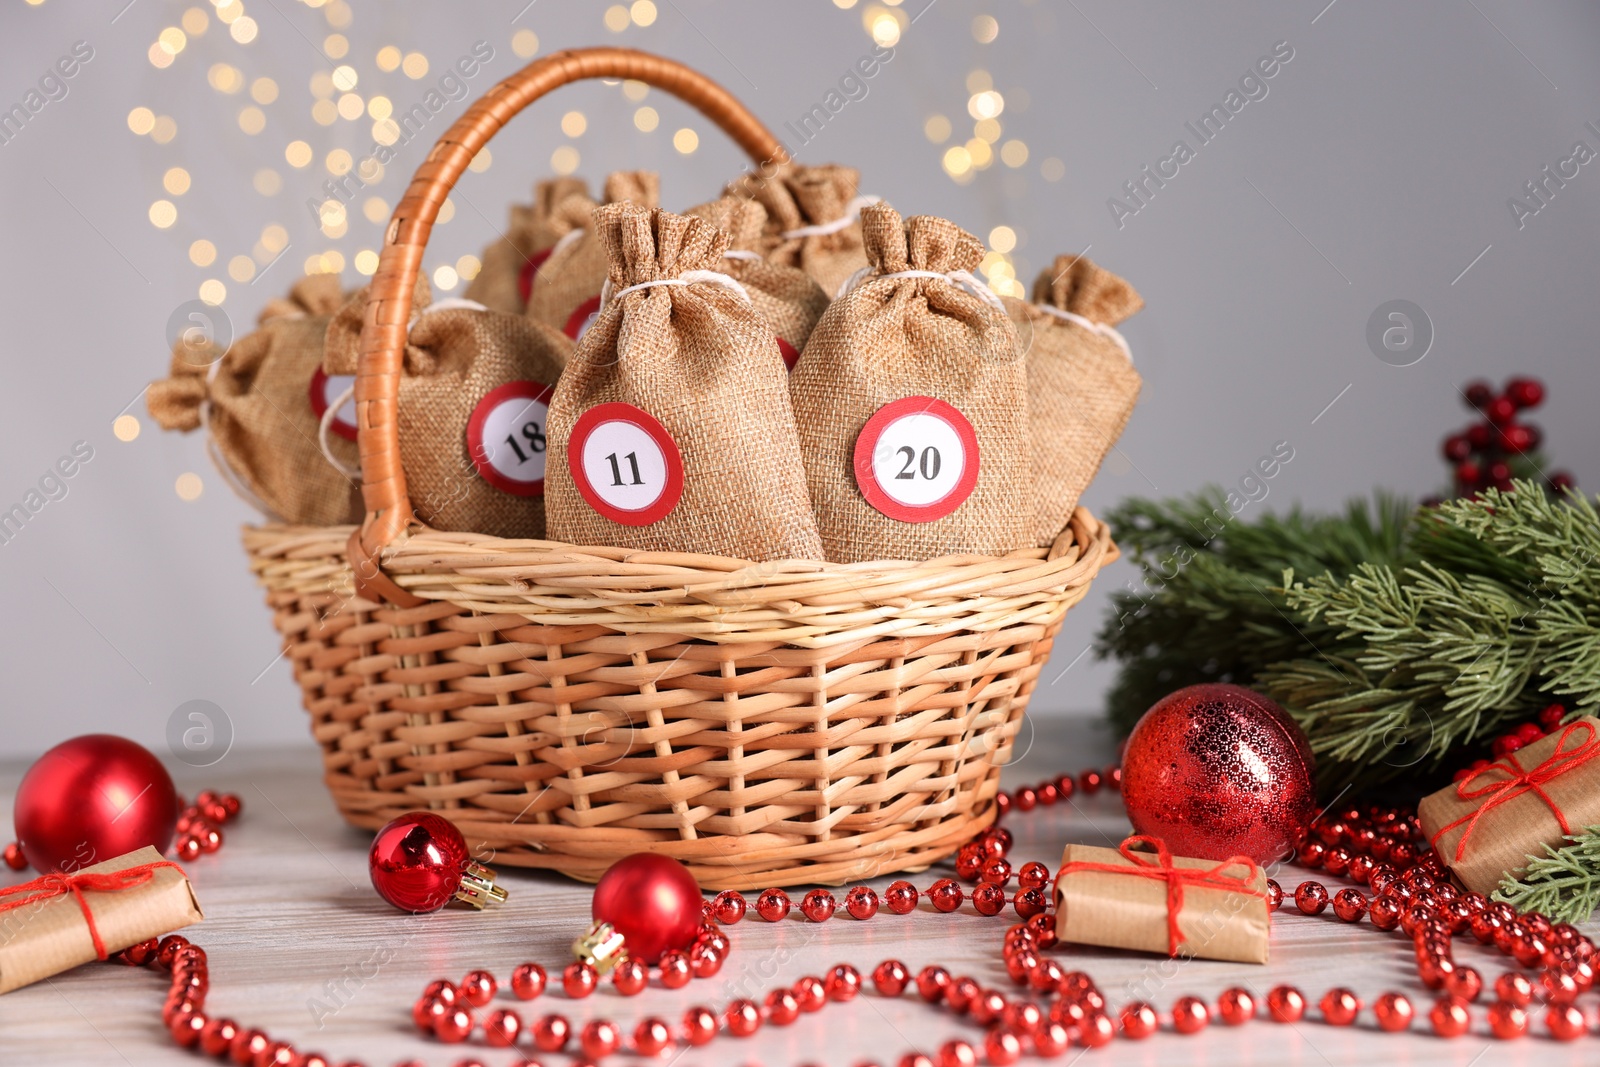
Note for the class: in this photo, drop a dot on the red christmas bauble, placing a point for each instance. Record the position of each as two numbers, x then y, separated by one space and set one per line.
1218 771
652 901
416 861
92 799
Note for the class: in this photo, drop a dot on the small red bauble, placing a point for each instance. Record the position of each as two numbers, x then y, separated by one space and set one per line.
14 857
1507 1020
842 983
675 972
699 1026
579 979
1311 898
1393 1012
1236 1007
890 978
901 897
528 981
861 902
1286 1004
1565 1022
1514 988
742 1018
728 907
1339 1007
502 1028
419 863
782 1009
1138 1020
957 1054
90 799
1190 1015
600 1038
818 905
945 895
652 901
772 905
477 988
1218 771
810 993
630 977
550 1033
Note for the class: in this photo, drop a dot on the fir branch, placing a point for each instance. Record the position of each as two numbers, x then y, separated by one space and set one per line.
1563 884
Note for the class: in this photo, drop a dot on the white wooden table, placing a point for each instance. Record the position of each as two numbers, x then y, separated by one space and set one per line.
301 946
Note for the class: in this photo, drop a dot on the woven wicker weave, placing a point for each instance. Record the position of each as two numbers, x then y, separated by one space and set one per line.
769 724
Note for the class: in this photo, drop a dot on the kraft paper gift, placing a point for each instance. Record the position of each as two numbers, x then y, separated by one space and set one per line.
1157 902
46 927
1488 824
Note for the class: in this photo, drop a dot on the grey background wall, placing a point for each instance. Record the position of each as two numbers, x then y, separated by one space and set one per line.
1377 166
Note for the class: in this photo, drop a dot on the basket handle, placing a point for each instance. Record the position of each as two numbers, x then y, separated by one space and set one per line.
383 331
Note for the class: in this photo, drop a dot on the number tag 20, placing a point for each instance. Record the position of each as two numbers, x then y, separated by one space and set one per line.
506 437
916 459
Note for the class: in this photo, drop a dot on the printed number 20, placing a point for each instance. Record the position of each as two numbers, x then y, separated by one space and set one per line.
928 465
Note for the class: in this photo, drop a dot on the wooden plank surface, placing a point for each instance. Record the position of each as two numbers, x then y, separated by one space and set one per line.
301 946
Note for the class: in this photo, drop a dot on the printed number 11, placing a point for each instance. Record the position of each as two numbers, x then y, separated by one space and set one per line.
616 469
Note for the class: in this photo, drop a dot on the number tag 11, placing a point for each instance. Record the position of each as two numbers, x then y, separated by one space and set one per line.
506 437
916 459
625 464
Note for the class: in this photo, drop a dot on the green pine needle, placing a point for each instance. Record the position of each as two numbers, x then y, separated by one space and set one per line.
1563 884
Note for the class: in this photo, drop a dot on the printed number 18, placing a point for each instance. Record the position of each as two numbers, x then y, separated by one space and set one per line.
535 439
616 469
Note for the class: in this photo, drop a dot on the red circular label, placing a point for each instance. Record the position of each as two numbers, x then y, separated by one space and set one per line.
625 464
582 318
325 389
530 271
916 459
787 350
506 437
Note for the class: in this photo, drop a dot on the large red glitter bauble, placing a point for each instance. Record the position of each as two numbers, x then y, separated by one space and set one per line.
1218 771
652 901
92 799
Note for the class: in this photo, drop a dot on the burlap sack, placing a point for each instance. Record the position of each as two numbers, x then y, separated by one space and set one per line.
894 338
812 219
256 402
568 292
457 354
511 263
694 356
785 297
1081 381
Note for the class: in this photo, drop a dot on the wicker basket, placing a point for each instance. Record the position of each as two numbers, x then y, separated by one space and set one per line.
769 724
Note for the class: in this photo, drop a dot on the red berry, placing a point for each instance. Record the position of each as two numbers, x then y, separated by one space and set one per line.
1500 410
1525 392
1561 482
1468 474
1457 447
1551 716
1520 438
1480 435
1478 393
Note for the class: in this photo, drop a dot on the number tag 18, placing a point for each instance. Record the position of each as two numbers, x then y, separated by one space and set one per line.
506 437
916 459
325 389
625 464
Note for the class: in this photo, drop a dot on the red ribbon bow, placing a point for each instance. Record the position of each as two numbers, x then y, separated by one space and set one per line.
60 884
1519 782
1175 877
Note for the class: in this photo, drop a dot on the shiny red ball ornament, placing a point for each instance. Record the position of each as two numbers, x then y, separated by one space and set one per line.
419 863
1218 771
651 902
90 799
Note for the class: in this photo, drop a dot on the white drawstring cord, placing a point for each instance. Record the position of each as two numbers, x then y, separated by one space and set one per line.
852 212
964 278
1093 327
743 253
688 277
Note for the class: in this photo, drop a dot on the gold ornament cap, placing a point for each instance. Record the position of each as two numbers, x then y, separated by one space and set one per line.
601 948
477 887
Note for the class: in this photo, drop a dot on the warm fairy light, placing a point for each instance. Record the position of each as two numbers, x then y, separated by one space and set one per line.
525 43
980 152
329 262
986 130
844 5
332 213
141 120
445 277
468 267
264 90
274 238
322 85
388 58
163 213
376 209
1052 170
415 65
189 486
229 12
336 46
344 77
936 129
386 132
252 120
324 112
202 253
564 160
241 268
243 29
957 161
985 28
126 427
1003 239
686 140
646 119
298 154
224 78
339 14
338 161
482 161
267 182
351 106
172 40
978 81
380 108
159 57
986 105
573 124
447 211
195 21
884 25
164 130
175 181
213 292
1014 153
635 90
617 18
366 262
643 12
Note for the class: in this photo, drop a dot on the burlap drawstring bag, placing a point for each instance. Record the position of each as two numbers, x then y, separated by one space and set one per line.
813 219
1081 381
785 297
911 399
255 403
671 429
512 261
567 295
471 415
